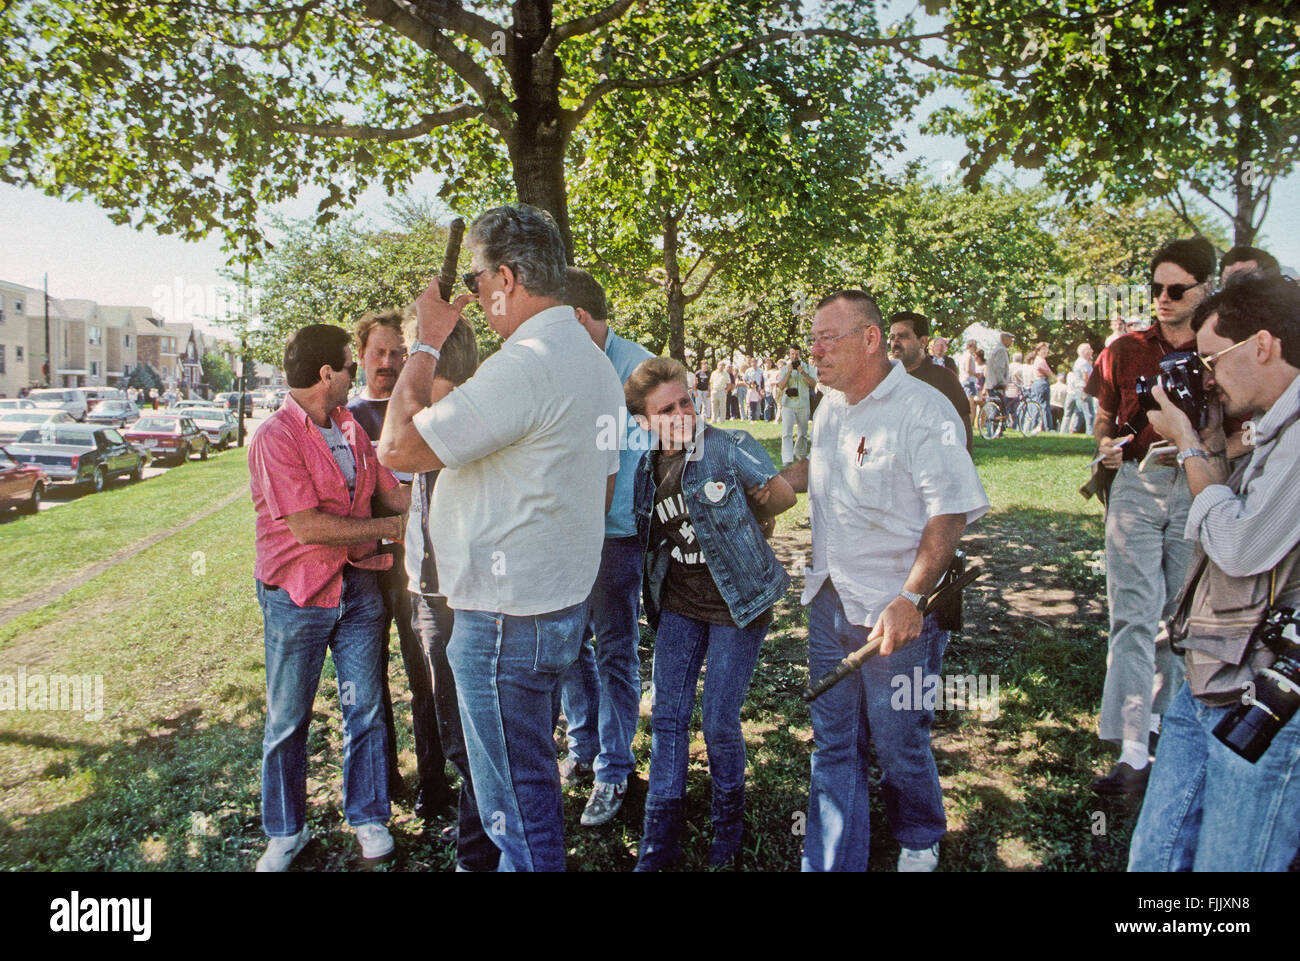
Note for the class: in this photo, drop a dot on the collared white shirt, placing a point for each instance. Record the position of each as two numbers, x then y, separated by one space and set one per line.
878 471
517 519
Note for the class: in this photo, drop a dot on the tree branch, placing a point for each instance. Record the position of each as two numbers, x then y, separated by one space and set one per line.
1180 209
385 134
713 269
1204 191
427 34
583 25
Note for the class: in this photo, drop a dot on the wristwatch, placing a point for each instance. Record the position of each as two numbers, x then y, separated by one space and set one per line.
916 599
418 347
1185 455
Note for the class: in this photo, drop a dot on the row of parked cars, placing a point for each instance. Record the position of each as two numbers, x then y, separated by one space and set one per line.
43 447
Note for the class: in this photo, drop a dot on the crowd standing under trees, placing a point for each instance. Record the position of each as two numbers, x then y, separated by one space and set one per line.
720 167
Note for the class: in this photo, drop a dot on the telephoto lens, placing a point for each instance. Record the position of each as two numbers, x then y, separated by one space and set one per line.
1249 728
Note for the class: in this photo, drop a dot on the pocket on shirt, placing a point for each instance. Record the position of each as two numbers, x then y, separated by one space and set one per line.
870 484
559 637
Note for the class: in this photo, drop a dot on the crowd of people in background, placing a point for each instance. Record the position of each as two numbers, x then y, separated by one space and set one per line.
516 541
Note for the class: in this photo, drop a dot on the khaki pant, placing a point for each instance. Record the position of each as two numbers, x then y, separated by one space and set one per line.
1146 563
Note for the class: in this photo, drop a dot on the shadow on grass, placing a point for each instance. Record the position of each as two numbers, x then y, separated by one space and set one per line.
181 793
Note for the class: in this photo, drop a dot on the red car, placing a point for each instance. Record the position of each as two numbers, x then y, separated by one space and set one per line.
21 485
168 437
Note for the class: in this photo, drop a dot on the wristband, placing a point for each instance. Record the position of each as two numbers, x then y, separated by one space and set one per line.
420 348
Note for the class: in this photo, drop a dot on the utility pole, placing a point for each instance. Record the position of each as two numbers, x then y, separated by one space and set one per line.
48 369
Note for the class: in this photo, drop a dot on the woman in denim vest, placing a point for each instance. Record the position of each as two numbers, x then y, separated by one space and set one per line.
710 582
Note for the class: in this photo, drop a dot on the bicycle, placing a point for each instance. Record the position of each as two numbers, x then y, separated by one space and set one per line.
1031 416
991 420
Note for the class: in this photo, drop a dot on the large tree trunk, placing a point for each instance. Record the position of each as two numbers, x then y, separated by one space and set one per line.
676 299
537 142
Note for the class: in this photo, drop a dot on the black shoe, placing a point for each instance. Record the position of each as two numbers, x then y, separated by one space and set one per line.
1123 779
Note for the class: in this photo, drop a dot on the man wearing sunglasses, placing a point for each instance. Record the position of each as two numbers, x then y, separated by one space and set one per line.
1206 808
1146 551
519 513
313 472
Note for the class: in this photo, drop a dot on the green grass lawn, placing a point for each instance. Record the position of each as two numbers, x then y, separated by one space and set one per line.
168 777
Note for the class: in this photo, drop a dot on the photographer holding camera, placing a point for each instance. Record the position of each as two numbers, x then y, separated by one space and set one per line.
1146 553
1224 793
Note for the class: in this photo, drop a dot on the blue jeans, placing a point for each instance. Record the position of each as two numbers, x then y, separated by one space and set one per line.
680 647
507 669
1041 391
850 717
608 679
1206 809
431 621
296 639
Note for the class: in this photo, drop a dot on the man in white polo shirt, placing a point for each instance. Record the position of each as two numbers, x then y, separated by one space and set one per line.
891 490
517 518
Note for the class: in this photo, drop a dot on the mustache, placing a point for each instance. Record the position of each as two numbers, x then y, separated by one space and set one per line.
389 371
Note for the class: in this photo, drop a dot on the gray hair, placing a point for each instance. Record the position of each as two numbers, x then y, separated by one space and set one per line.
528 241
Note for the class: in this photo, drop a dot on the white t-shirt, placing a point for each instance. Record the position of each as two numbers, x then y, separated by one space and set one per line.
879 470
518 517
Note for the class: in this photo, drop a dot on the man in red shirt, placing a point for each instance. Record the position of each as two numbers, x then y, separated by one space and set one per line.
313 473
1146 514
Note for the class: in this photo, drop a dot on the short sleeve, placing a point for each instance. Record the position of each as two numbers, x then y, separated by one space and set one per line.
493 409
280 473
944 474
753 465
1102 382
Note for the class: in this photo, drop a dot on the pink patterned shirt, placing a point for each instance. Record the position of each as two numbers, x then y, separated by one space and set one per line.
292 470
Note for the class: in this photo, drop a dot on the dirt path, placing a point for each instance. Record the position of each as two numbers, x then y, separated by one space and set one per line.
52 593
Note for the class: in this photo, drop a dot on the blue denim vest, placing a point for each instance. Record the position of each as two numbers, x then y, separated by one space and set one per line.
749 577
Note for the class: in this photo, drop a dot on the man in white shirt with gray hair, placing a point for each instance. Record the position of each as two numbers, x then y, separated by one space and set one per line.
518 513
891 489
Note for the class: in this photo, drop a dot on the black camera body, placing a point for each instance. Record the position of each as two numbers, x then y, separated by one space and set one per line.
1182 378
1274 693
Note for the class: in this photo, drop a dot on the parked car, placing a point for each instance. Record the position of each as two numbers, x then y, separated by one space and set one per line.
70 400
168 437
16 403
96 394
221 426
113 413
21 485
231 401
80 454
15 422
190 404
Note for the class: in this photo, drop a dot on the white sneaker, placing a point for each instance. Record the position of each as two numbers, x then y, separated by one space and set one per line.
281 852
918 862
375 840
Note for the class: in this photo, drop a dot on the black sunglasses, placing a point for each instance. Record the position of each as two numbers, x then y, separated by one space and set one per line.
350 368
1176 291
471 280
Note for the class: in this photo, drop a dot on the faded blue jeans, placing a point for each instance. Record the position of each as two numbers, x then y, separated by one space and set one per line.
507 671
602 688
681 644
850 717
1206 809
296 639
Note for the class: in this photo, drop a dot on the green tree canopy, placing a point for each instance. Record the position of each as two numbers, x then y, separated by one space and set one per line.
1139 99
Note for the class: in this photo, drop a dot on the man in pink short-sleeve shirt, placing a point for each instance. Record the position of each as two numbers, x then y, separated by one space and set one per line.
313 474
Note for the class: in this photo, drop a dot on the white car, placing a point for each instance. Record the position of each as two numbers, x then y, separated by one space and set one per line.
15 422
16 403
70 400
